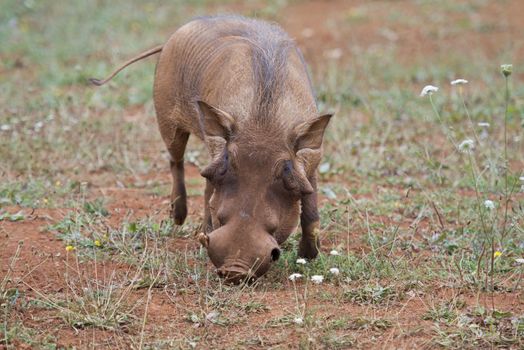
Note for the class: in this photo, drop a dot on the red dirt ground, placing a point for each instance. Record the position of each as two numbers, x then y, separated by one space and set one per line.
312 23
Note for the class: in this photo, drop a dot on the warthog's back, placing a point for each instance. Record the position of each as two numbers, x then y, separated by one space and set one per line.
249 68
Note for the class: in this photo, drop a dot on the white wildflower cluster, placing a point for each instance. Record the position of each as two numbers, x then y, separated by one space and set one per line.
466 145
506 69
317 279
298 320
334 271
295 276
489 204
459 82
428 90
38 125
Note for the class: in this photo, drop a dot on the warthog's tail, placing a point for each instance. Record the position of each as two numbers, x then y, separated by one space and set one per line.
144 54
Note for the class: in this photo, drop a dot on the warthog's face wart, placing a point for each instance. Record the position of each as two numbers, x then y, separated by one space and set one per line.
258 179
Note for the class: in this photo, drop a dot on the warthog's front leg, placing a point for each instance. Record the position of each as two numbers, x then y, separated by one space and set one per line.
208 223
178 194
310 222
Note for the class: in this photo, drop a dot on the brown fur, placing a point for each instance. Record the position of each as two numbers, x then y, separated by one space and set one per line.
241 86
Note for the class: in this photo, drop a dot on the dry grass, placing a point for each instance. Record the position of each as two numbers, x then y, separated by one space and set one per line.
422 260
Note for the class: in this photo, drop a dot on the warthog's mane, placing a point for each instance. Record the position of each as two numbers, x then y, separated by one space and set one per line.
271 47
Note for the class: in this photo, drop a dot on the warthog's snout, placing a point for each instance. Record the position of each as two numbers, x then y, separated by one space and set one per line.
240 256
235 273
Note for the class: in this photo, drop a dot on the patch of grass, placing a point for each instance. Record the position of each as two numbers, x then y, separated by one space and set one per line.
481 328
9 292
19 216
372 294
374 324
18 335
254 306
36 193
98 309
359 323
444 312
336 341
352 267
142 244
13 333
96 207
88 301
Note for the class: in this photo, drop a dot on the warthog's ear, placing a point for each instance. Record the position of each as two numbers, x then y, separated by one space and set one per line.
311 133
307 143
217 127
215 122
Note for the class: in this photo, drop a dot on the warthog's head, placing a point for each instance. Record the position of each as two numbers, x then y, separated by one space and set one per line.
258 174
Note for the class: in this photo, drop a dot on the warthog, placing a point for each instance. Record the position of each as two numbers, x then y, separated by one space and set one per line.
241 86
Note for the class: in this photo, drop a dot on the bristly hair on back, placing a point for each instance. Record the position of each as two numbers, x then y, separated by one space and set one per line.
271 47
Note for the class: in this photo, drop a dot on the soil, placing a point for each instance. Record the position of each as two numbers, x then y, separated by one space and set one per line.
319 28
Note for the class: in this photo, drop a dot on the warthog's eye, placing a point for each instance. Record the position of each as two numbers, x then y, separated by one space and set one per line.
288 178
288 168
223 168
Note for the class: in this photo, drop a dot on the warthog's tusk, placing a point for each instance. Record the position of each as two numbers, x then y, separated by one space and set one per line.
203 239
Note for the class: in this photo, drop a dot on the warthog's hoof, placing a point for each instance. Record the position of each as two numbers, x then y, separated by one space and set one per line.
308 248
178 212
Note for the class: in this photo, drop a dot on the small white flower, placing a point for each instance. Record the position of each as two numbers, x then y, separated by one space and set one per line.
294 276
459 81
301 261
298 320
483 125
39 125
521 178
489 204
334 252
5 127
334 271
317 279
428 90
466 145
519 261
506 69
